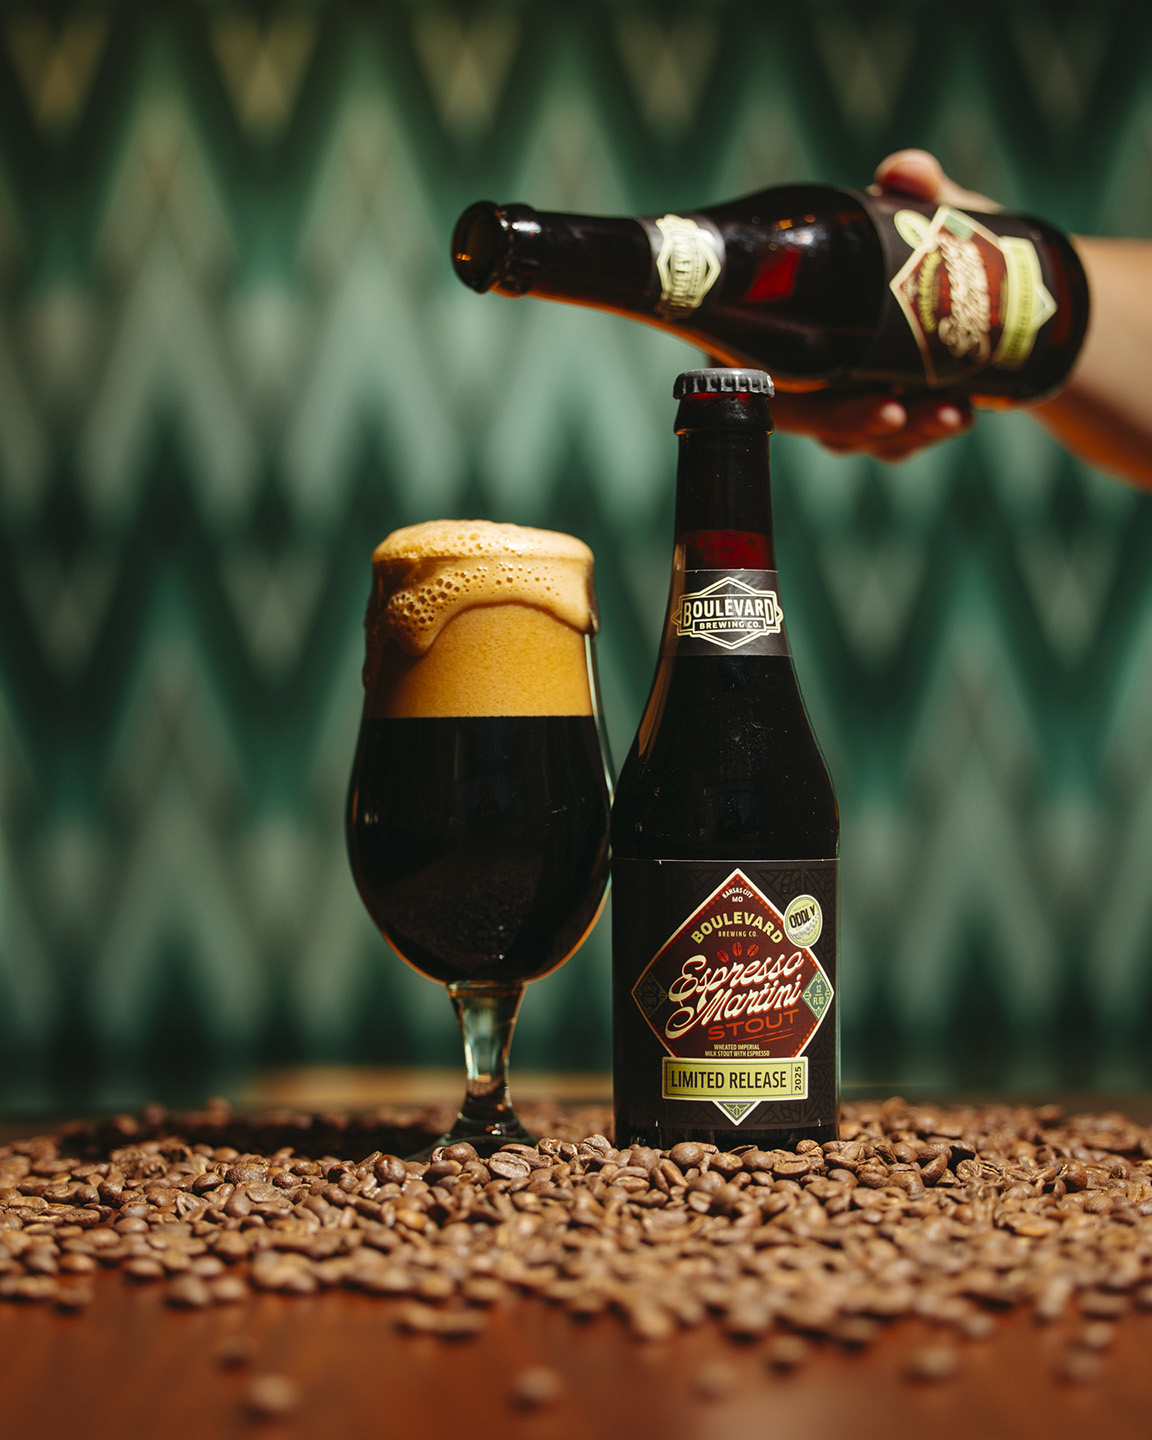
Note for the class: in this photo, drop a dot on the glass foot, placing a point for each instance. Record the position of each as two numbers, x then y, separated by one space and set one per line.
484 1139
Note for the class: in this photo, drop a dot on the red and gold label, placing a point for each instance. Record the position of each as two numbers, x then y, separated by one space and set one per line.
971 298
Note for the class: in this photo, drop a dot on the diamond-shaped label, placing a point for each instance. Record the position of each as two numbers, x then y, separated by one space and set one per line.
817 995
971 298
650 994
736 1109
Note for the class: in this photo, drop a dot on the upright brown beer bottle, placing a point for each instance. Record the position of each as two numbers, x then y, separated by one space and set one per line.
724 828
819 285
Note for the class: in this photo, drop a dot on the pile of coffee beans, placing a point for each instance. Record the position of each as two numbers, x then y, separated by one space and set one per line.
948 1214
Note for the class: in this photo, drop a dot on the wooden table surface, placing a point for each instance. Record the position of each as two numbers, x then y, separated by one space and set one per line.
129 1364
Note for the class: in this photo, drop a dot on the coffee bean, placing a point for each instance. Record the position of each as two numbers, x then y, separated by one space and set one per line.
715 1380
235 1351
144 1268
76 1263
912 1211
1098 1304
537 1387
1074 1176
389 1170
786 1352
228 1290
1053 1297
855 1331
74 1296
451 1324
188 1292
508 1166
749 1319
1097 1336
1079 1367
271 1397
933 1363
249 1168
483 1290
650 1320
978 1325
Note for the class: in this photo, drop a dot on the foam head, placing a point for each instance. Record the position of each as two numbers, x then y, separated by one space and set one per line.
468 617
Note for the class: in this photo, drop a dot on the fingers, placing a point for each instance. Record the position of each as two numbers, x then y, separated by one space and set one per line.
925 422
828 415
884 426
912 172
920 175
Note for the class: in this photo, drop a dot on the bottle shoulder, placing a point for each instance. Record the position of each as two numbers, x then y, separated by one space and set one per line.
725 762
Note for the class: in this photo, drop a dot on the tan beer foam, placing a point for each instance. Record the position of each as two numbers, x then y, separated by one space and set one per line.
474 618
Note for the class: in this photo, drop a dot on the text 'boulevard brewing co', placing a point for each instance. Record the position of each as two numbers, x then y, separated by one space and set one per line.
818 284
725 831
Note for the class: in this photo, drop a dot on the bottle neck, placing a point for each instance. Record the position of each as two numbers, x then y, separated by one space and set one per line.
720 603
580 258
723 501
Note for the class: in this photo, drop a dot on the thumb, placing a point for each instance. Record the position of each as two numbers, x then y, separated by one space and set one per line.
918 174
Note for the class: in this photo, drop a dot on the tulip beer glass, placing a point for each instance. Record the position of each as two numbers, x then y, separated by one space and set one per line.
477 818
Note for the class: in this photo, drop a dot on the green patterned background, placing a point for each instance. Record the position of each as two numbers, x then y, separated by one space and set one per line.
233 356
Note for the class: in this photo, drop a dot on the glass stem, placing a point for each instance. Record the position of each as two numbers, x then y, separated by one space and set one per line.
487 1016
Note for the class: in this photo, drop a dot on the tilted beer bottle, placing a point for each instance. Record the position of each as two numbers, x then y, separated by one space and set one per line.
817 284
724 828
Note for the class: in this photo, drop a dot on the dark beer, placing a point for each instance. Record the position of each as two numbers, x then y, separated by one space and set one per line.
478 844
820 285
725 830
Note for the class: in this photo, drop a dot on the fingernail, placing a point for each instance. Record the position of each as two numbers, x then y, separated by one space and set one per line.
890 416
950 417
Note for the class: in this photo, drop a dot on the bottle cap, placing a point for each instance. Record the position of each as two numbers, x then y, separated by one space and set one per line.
723 382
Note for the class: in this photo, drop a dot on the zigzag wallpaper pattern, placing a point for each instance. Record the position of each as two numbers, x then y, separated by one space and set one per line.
233 356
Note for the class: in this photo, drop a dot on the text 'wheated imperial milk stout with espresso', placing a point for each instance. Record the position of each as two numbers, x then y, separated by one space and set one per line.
725 831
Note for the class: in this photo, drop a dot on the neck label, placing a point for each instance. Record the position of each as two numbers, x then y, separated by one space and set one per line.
689 257
719 611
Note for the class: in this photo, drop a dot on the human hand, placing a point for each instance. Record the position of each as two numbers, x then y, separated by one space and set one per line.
888 426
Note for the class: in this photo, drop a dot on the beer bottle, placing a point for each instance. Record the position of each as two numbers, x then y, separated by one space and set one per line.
724 828
820 285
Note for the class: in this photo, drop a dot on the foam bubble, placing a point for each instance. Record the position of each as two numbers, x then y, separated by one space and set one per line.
462 539
426 576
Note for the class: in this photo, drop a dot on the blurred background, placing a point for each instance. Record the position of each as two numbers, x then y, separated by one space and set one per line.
233 356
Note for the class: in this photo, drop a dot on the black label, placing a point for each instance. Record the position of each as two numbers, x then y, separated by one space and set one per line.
721 611
725 996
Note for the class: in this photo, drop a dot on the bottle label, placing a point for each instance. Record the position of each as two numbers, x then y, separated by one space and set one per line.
969 297
725 610
739 996
689 257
